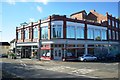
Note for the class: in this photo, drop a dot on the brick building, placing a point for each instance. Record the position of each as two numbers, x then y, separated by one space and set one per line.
58 35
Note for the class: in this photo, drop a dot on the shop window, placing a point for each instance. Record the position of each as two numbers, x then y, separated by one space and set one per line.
80 45
91 51
55 45
55 52
80 52
48 54
90 45
59 53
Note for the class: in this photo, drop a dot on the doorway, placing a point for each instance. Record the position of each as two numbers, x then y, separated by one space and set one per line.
57 54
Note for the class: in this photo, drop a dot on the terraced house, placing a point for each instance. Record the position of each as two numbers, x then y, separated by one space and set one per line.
81 33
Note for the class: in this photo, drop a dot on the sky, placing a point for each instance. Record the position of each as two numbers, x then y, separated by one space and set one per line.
13 13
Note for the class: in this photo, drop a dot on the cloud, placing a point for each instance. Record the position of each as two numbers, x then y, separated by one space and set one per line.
23 0
42 1
11 2
39 9
31 20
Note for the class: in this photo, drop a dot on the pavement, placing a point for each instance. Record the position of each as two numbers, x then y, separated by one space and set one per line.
57 69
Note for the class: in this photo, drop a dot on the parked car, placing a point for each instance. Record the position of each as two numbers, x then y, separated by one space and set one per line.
3 55
70 57
87 57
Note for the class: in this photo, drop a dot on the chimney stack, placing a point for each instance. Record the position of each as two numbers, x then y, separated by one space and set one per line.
92 11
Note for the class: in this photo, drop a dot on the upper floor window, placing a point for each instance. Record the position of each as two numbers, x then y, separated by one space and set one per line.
90 33
109 22
44 32
97 34
104 34
113 35
26 33
70 31
19 35
35 32
109 31
79 32
116 24
117 35
56 31
113 24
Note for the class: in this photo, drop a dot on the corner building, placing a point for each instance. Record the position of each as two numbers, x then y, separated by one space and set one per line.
80 34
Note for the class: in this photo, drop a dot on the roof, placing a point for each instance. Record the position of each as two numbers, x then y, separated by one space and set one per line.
4 43
12 41
96 14
78 12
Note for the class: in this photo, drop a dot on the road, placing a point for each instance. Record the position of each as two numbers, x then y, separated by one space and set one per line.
56 69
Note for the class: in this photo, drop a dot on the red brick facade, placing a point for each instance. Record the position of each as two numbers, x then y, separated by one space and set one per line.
96 19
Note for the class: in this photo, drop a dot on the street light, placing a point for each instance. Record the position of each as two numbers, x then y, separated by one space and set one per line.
66 42
39 49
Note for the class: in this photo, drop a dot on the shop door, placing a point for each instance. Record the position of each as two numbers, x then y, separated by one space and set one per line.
57 54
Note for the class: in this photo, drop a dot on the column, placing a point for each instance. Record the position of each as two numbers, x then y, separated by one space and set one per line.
39 30
64 28
49 29
85 31
31 32
86 48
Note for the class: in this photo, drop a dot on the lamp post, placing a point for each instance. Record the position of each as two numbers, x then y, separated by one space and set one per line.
66 42
39 49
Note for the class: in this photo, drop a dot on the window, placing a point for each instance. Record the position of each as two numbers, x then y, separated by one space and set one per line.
113 35
104 35
56 31
19 35
109 22
116 35
116 24
90 33
109 34
82 33
113 23
26 33
70 32
44 32
35 32
97 34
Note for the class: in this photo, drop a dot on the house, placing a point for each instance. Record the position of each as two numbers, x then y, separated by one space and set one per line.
12 45
81 33
4 47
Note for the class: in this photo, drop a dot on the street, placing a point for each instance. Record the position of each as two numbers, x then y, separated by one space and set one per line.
28 68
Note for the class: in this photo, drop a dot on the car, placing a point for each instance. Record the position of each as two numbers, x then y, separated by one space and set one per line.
3 55
69 57
87 57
